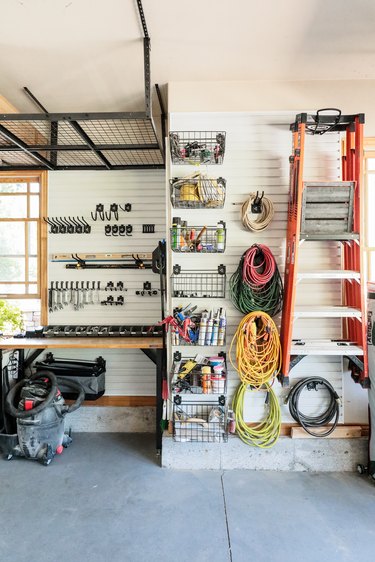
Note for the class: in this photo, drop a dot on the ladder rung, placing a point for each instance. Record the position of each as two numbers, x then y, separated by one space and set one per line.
326 312
324 347
329 274
338 237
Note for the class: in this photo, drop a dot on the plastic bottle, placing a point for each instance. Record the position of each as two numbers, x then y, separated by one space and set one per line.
203 329
222 327
209 329
220 236
215 329
176 229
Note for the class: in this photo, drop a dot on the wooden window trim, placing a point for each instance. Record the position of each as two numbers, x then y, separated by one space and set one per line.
41 176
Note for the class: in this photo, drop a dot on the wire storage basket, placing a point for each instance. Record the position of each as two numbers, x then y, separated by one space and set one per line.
200 422
192 376
198 283
197 239
198 192
199 328
197 147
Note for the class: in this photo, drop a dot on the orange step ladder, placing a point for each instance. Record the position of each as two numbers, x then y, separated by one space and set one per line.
327 211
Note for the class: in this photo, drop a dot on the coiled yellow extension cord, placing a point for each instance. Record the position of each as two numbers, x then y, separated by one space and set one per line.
258 350
265 433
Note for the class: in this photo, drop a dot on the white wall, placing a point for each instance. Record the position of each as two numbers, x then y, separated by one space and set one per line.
129 372
257 149
351 96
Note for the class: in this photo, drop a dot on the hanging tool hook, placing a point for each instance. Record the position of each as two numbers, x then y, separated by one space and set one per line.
257 205
99 210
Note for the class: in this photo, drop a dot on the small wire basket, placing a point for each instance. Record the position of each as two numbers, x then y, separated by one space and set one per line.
198 192
198 239
187 380
199 284
200 422
201 332
197 147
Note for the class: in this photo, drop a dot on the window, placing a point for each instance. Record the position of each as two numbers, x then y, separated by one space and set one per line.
22 234
369 206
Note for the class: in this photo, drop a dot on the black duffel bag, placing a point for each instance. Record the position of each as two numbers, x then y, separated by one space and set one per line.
90 374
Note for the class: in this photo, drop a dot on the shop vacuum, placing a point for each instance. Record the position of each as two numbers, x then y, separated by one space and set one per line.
40 415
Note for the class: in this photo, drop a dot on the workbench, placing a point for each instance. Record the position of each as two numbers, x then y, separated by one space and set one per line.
152 347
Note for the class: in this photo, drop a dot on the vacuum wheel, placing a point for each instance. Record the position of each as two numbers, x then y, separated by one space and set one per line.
361 469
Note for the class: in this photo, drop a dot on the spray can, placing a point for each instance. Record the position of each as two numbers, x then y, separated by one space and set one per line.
210 324
184 238
215 329
222 327
202 329
220 236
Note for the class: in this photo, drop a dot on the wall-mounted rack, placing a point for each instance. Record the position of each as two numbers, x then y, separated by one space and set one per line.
105 261
198 283
197 147
198 192
197 239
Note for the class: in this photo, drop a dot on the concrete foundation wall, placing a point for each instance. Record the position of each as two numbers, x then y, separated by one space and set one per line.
311 455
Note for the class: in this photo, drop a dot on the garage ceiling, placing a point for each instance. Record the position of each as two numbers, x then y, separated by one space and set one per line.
80 55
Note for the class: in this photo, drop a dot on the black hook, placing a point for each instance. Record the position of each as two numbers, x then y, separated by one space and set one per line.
108 230
99 210
127 207
112 209
78 226
257 205
86 226
122 230
69 226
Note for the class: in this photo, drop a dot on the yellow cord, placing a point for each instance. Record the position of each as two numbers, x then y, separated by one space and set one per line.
265 433
258 350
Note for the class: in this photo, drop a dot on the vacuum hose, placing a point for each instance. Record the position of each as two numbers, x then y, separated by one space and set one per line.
22 414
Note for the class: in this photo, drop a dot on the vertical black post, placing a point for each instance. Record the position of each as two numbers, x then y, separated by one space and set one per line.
147 70
159 398
54 134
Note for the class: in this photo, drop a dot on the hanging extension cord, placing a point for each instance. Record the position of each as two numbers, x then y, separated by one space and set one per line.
265 433
263 219
257 284
258 350
307 422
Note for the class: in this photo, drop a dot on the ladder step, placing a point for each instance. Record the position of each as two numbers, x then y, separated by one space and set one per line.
329 274
338 237
326 312
324 347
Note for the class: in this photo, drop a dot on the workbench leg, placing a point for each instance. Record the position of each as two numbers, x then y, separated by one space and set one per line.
159 398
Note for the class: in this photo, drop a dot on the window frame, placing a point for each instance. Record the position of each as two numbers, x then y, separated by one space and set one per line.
29 176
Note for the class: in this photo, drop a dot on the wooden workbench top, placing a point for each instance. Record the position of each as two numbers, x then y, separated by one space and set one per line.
83 343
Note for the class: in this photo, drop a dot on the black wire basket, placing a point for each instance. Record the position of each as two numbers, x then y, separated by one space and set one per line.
198 239
200 422
197 147
203 333
199 283
198 192
197 382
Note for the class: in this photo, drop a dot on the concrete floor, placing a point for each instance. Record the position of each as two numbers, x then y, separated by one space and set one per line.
106 500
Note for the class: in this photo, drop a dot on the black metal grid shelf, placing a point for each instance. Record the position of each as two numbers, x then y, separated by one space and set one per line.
94 141
197 147
198 284
200 422
198 192
198 239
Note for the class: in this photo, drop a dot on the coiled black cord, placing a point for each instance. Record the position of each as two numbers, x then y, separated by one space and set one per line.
332 411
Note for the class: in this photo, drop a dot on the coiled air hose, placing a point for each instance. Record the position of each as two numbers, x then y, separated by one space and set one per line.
258 350
265 433
256 284
263 219
307 422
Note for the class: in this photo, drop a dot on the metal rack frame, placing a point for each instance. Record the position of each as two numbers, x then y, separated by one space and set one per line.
84 141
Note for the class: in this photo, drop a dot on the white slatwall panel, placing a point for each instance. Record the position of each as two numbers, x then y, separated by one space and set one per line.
129 372
258 147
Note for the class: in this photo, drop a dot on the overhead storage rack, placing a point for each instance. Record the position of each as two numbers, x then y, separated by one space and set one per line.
84 141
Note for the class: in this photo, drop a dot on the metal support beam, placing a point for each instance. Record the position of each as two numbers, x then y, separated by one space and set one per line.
81 147
15 140
147 68
163 115
54 139
78 129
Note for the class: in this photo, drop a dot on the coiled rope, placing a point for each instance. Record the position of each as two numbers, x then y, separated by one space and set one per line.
265 433
257 284
258 350
263 219
332 411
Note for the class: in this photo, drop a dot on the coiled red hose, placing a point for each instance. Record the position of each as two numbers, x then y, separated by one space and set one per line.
256 273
